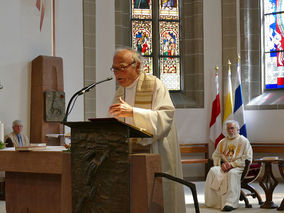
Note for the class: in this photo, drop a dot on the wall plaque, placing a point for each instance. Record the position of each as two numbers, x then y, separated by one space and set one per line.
54 106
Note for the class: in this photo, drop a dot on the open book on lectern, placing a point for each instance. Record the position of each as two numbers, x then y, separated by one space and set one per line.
123 123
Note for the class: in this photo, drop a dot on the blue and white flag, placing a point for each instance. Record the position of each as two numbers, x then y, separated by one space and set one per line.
239 106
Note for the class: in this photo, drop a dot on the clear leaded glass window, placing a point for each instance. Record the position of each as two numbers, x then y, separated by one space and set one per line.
273 29
160 50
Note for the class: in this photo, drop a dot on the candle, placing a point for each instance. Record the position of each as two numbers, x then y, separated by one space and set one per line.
1 131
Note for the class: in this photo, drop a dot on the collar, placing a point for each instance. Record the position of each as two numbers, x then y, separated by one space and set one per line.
134 83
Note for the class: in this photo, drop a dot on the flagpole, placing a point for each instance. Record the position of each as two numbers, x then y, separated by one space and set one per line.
217 69
215 122
228 109
238 105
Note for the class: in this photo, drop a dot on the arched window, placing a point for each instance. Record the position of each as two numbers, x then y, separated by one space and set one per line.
273 50
156 35
260 53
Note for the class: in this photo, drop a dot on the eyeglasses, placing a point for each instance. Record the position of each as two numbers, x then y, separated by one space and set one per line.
121 68
231 128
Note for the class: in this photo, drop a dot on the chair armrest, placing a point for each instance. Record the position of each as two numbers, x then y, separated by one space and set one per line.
246 169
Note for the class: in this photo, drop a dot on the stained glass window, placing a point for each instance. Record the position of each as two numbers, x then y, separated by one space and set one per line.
273 43
170 72
141 9
169 9
169 38
142 37
161 53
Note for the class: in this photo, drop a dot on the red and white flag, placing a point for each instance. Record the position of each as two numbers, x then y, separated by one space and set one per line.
216 121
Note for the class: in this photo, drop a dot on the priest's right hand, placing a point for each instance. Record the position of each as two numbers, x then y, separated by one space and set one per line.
121 109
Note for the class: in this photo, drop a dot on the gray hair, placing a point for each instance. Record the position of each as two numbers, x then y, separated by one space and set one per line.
19 122
135 55
232 122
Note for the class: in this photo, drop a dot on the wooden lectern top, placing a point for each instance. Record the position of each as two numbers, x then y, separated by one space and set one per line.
134 132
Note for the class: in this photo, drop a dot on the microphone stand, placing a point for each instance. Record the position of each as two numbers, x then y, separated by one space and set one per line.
81 92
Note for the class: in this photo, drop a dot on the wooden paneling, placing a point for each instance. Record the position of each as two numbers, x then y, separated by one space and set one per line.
37 181
35 162
31 192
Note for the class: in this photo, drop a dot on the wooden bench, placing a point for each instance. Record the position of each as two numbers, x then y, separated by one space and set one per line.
196 148
268 148
202 148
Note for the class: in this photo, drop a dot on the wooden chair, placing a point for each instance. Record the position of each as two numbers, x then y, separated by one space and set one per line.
281 169
250 174
186 183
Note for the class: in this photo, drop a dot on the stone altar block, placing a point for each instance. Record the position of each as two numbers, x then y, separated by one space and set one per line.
47 75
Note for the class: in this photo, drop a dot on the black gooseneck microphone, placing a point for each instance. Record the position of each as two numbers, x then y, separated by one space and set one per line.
81 92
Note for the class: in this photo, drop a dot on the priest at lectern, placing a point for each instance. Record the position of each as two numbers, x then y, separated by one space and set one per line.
142 100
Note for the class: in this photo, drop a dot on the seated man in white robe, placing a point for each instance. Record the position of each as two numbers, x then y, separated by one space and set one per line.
143 100
16 138
223 182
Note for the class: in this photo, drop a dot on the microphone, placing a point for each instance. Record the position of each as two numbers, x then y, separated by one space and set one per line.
88 88
81 92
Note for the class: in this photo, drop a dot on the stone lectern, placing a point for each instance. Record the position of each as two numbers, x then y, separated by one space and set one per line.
106 178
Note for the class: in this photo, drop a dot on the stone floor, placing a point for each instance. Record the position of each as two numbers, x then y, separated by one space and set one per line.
2 207
277 198
278 195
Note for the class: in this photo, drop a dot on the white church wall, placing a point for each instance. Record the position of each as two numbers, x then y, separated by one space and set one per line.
265 125
22 41
69 46
193 124
105 45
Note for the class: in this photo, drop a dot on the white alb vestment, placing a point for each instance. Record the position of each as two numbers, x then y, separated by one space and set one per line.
223 189
159 122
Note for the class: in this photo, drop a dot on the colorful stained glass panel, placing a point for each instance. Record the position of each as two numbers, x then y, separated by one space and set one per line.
169 38
142 37
170 72
169 9
272 6
142 9
274 74
274 32
272 37
274 47
147 65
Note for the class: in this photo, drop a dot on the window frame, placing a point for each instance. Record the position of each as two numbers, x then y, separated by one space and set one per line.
252 62
263 52
156 55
